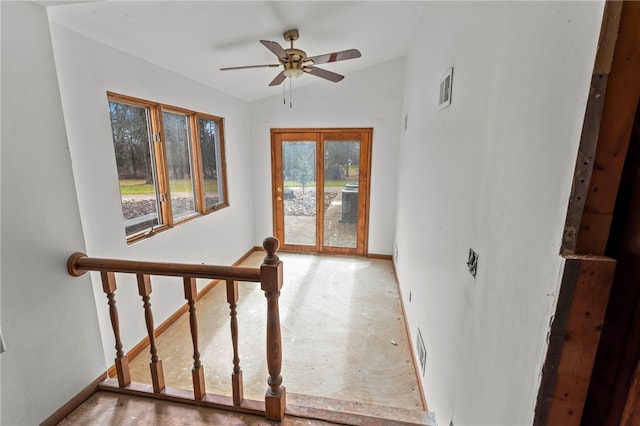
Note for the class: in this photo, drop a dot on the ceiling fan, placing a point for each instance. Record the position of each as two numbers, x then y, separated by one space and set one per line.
296 62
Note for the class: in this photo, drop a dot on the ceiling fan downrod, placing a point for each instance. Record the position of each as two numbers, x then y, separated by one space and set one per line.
291 35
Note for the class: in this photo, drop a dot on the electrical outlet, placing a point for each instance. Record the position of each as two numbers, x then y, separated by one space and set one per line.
409 296
395 253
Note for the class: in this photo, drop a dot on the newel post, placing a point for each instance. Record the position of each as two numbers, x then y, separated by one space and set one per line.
271 283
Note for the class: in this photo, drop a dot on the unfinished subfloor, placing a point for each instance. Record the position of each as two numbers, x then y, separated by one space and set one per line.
342 329
343 338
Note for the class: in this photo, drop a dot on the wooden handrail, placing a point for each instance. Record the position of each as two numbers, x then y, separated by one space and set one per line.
79 263
269 275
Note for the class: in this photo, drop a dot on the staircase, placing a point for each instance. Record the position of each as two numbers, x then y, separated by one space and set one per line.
277 404
108 409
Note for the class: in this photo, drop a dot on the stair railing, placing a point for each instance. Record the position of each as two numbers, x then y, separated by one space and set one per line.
269 275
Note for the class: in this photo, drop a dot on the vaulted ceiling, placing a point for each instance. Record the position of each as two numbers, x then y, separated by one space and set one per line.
197 38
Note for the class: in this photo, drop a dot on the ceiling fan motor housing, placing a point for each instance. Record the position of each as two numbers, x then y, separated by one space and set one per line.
295 57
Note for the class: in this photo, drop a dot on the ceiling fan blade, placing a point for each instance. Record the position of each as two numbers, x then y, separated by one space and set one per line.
249 66
319 72
335 56
275 48
278 80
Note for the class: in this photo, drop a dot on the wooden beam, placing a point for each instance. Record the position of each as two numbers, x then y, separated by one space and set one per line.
593 232
631 414
608 36
591 286
609 117
591 125
620 102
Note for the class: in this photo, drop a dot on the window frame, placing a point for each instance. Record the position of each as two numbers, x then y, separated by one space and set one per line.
159 160
220 159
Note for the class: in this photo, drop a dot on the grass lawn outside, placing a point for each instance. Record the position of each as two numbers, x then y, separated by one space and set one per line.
138 186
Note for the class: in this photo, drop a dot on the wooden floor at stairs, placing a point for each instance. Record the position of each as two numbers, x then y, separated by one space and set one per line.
108 409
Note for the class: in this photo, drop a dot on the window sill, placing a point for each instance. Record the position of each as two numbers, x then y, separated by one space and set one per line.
147 233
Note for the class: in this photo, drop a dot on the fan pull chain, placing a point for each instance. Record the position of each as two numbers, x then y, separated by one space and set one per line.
290 95
284 94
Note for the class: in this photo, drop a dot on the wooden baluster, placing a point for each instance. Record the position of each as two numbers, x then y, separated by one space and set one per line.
197 372
157 374
271 283
236 376
121 361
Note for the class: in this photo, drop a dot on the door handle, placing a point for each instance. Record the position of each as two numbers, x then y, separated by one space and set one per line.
279 189
279 198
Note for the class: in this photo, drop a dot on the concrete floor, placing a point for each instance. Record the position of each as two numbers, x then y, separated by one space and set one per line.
343 335
337 233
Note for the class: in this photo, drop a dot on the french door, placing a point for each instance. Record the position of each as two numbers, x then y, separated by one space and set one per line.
321 189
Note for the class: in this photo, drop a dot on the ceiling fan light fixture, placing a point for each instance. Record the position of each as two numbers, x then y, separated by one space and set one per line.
293 72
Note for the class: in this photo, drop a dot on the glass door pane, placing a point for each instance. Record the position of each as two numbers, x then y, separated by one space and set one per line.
299 192
341 173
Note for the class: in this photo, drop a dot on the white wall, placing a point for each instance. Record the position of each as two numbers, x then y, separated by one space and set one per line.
48 318
491 172
370 98
0 209
87 69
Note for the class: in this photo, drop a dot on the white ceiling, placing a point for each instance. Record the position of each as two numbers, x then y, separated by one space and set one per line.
196 38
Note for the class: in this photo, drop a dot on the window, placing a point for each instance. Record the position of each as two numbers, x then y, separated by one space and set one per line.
170 164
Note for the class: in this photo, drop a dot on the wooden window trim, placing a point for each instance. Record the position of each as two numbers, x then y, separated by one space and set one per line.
222 160
162 175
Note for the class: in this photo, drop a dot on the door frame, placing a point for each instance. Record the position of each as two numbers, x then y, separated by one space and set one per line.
322 135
